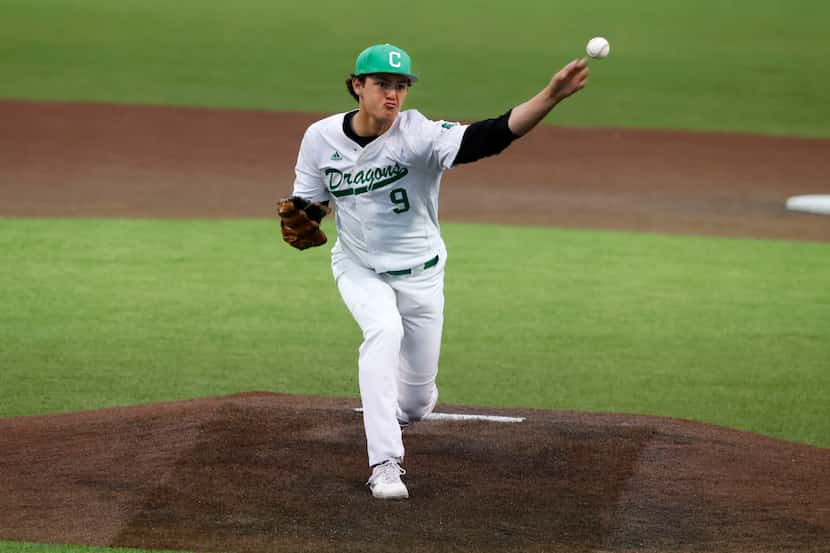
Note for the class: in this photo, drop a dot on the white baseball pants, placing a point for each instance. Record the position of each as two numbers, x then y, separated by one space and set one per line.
402 320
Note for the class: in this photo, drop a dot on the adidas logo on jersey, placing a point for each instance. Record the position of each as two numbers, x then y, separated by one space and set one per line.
336 156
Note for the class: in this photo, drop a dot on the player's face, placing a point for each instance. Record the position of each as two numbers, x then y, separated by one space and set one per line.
382 95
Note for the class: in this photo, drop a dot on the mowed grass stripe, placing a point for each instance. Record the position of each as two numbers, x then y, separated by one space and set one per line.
708 65
115 312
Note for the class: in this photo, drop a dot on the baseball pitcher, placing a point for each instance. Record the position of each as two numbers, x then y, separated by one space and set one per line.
381 169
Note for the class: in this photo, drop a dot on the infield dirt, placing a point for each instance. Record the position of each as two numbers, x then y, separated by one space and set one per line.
136 161
265 472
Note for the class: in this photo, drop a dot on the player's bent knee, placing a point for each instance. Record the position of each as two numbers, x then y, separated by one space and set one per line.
416 409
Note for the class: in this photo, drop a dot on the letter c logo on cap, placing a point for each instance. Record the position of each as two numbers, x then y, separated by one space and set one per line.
395 59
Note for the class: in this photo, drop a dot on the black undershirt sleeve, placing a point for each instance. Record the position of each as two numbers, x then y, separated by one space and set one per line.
485 138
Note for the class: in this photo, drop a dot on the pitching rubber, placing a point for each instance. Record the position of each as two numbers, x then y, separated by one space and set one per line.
463 417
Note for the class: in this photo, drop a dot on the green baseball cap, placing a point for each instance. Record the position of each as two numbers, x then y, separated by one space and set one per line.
384 58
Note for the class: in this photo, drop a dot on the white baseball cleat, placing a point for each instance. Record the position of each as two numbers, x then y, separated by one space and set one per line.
385 481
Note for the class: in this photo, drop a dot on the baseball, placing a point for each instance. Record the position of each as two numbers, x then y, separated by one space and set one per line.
598 48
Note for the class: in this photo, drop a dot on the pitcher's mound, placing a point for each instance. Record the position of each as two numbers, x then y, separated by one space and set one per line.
267 472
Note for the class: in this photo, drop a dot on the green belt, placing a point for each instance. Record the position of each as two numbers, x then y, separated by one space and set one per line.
428 265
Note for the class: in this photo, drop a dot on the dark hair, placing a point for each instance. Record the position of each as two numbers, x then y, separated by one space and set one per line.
349 85
362 81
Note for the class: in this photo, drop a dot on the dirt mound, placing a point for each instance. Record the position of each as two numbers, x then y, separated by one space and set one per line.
267 472
139 161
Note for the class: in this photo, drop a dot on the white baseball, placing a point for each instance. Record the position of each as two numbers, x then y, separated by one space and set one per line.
598 47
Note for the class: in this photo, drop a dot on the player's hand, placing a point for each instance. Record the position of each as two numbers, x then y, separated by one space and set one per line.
570 79
567 81
300 222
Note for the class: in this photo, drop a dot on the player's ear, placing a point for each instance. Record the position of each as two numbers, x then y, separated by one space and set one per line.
350 88
358 82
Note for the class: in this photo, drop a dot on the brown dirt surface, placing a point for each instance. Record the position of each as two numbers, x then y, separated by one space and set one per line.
265 472
127 161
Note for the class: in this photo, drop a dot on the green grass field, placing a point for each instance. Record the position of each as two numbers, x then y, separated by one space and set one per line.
743 65
110 312
116 312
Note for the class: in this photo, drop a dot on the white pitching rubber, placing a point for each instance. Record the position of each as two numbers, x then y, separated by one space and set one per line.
463 417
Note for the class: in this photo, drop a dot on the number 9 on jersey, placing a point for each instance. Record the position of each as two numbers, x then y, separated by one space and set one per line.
399 198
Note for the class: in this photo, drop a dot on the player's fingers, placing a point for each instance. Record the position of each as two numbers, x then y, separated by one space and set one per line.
572 70
564 74
576 65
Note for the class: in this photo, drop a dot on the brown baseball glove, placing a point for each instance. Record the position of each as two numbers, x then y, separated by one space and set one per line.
300 222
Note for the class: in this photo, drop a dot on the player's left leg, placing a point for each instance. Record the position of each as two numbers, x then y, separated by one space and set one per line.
420 300
372 303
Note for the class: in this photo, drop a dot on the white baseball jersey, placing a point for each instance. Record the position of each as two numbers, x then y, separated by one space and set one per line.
386 194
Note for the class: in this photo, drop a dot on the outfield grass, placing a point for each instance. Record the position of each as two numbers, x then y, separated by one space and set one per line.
743 65
115 312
